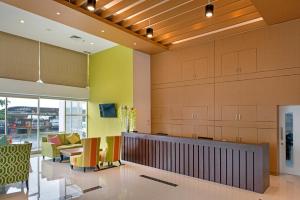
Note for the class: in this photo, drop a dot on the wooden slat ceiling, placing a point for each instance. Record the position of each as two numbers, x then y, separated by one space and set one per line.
172 20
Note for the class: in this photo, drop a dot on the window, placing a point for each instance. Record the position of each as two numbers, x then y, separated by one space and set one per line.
30 119
21 120
2 115
76 117
52 116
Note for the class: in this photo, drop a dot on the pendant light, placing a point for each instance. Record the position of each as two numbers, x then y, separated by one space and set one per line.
40 80
149 31
209 10
91 4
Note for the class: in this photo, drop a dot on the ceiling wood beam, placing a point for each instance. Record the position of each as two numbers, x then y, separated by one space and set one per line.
206 23
213 27
194 16
134 10
119 6
108 22
190 19
154 11
80 2
169 14
101 3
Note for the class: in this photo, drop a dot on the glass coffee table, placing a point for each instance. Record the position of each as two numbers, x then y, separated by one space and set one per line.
70 152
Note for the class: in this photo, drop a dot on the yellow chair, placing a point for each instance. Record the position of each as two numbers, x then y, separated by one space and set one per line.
90 155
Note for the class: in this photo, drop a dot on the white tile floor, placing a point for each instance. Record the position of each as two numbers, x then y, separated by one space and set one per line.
52 181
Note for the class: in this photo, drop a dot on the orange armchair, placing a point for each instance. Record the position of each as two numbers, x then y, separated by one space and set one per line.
90 155
113 152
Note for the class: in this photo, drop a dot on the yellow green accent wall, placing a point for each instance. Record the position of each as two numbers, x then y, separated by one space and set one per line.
110 81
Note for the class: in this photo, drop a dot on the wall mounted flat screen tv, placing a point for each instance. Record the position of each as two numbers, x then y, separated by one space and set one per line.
108 110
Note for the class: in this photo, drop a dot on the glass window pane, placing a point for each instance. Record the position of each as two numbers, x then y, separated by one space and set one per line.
52 116
2 115
68 107
68 124
22 106
79 107
77 124
22 120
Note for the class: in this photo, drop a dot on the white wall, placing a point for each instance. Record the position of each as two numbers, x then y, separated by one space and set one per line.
142 90
15 87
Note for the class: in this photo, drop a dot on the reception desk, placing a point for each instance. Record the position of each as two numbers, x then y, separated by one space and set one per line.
244 166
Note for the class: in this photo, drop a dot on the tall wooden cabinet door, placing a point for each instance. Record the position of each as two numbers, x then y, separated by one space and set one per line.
247 113
229 63
247 61
229 113
201 113
175 112
267 113
188 113
188 70
230 134
270 136
201 68
248 135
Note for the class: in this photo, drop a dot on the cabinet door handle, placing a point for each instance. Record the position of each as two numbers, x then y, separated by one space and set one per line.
236 117
239 116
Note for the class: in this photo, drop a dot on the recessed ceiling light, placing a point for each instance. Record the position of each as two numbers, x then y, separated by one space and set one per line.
91 43
102 31
58 13
22 21
134 43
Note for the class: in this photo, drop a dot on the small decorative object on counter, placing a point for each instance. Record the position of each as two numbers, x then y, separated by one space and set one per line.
128 117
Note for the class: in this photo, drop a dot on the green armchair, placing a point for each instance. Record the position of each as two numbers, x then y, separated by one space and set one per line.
53 151
14 163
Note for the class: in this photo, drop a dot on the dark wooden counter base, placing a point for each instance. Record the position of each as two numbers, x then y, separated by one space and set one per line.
244 166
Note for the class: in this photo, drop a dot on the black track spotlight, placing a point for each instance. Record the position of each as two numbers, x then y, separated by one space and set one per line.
209 10
149 32
91 4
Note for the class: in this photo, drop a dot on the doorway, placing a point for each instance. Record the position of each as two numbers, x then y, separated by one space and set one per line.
289 139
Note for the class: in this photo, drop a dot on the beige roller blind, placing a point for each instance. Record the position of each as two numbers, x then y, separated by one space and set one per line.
18 58
63 67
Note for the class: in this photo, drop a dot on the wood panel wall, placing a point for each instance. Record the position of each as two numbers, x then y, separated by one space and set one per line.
229 89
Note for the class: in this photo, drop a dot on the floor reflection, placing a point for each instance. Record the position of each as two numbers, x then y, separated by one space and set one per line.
55 181
46 182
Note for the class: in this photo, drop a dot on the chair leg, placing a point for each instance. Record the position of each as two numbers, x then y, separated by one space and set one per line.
120 162
98 167
84 169
53 159
43 157
27 185
72 167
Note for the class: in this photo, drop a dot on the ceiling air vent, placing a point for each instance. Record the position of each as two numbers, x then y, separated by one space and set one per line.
76 38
